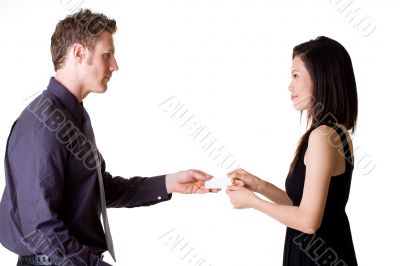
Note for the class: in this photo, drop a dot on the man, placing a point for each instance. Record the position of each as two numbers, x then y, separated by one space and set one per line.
56 184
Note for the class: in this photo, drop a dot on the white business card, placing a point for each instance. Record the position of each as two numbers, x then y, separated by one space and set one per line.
218 182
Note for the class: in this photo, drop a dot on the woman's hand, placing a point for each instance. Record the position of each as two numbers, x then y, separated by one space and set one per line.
243 178
241 198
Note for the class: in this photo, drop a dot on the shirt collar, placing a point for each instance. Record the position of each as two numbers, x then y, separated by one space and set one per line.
67 99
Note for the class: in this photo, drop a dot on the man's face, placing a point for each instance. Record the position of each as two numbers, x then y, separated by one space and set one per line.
99 65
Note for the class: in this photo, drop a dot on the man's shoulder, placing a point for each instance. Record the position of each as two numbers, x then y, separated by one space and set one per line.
39 121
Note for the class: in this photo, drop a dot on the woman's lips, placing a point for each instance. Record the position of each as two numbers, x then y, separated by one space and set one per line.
292 97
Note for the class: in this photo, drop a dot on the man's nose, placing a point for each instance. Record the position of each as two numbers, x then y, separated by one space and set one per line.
114 65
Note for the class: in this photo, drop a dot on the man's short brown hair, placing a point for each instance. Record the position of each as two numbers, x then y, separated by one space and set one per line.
81 27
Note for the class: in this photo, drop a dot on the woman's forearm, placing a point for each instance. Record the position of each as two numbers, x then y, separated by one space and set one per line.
291 216
273 193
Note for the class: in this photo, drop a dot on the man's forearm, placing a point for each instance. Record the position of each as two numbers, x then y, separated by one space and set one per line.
135 191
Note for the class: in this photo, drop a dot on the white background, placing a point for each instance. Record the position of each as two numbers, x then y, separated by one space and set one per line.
229 63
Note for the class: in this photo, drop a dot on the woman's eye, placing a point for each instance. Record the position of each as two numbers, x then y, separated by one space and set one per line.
107 55
294 76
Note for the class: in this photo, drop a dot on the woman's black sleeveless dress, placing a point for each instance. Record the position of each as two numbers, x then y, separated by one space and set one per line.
332 244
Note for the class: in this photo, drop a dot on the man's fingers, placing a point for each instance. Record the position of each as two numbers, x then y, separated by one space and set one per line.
198 188
199 175
203 190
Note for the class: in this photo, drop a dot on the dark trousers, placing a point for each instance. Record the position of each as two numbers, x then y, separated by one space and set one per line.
19 263
35 261
24 264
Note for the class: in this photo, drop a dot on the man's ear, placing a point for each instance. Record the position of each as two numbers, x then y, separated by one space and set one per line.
78 52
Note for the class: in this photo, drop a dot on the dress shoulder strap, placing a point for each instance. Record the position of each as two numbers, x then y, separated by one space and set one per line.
345 143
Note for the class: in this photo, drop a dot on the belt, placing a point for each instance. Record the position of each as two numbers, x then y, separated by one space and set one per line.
35 260
40 260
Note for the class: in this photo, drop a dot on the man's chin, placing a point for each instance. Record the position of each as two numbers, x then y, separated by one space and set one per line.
101 89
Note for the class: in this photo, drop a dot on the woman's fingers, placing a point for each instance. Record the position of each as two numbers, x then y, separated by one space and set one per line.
237 182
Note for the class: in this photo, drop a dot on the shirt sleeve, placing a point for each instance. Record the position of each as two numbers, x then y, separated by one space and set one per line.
135 191
38 170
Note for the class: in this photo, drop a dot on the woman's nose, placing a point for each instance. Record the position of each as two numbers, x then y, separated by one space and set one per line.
290 87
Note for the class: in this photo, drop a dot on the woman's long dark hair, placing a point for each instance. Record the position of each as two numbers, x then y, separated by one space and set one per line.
334 95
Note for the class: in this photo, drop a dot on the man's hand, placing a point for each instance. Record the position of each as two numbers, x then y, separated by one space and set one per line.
188 182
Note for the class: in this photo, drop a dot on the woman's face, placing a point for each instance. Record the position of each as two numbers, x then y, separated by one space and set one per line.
301 86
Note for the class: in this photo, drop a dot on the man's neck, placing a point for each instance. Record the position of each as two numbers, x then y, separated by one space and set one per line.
69 81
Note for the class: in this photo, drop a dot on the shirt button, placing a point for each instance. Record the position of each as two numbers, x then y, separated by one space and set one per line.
159 197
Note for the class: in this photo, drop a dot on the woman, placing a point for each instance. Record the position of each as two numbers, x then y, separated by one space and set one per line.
318 183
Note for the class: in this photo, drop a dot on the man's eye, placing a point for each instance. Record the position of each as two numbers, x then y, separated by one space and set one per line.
107 55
